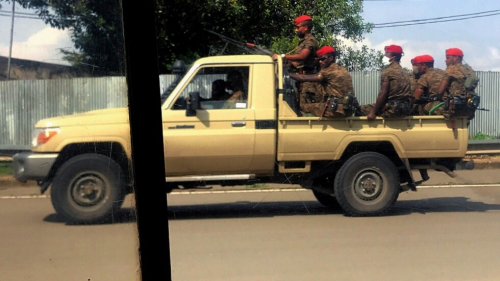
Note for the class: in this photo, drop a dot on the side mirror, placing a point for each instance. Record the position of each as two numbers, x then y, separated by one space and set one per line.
192 103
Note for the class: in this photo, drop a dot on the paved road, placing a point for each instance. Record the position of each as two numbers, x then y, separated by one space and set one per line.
35 244
434 234
438 233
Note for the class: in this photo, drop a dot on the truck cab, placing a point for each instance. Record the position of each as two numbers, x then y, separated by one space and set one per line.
222 138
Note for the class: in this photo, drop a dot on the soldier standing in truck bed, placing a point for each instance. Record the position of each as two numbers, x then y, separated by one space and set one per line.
303 59
333 83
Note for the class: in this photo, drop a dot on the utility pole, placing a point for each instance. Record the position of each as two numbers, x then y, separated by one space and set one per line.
11 38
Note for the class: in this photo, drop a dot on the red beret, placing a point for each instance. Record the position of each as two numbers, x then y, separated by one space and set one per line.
301 19
393 49
454 52
414 60
422 59
325 50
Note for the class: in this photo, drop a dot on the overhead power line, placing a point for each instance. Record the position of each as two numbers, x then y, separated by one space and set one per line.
438 19
22 17
20 13
455 16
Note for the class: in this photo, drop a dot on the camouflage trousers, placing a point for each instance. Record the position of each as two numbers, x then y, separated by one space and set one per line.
309 95
390 110
318 110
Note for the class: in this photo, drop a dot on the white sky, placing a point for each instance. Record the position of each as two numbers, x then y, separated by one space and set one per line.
478 38
33 39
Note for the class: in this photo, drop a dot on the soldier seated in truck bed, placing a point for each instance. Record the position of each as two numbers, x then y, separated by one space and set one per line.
333 83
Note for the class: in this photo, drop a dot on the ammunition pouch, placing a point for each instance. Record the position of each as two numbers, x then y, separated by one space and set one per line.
473 102
459 104
400 107
334 101
350 103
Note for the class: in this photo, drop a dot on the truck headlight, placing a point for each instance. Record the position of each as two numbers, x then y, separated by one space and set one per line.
43 135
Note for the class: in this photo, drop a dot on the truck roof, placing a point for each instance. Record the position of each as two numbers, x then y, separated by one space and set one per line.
235 59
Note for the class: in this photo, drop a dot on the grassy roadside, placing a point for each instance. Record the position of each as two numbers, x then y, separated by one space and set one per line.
5 168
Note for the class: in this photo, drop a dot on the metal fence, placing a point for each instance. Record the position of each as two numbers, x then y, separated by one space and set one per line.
24 102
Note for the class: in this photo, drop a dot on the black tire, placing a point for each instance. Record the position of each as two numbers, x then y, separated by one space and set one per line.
367 184
327 200
88 188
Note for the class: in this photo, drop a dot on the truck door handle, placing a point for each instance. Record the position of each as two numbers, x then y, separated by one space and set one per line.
182 127
238 124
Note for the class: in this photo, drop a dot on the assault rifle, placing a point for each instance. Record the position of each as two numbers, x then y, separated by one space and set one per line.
248 47
471 103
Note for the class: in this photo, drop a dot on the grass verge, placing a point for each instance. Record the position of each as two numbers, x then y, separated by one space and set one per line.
5 169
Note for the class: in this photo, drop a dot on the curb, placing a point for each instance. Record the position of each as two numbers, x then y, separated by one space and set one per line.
485 163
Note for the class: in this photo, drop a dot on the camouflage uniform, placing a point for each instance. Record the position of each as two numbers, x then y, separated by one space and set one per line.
307 66
429 82
399 99
456 75
335 81
413 85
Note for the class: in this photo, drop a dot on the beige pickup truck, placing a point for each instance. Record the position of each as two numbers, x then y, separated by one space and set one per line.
248 132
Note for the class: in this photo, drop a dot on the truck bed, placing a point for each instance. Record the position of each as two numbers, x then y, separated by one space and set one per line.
315 138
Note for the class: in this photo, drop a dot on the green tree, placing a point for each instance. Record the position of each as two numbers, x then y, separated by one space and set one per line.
96 28
269 23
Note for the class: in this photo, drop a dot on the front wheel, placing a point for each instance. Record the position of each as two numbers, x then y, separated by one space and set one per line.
88 188
367 184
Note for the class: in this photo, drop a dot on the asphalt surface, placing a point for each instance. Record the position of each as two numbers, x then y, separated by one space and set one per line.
36 244
447 230
433 234
437 233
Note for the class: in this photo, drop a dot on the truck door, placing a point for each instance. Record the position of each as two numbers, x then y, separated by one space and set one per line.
220 139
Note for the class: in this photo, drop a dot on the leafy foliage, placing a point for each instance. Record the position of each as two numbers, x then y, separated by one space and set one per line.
481 136
269 23
96 28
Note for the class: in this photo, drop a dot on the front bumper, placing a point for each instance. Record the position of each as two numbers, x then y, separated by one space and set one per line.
32 166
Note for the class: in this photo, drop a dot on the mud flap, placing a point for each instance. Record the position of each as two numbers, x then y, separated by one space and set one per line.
412 185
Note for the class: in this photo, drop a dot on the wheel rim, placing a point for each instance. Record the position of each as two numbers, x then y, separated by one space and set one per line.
368 185
88 190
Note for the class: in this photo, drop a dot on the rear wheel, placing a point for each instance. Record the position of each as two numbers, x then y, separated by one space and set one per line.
367 184
88 188
327 200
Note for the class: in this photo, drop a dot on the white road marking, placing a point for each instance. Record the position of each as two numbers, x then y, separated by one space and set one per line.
458 186
25 197
263 190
